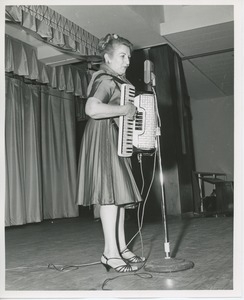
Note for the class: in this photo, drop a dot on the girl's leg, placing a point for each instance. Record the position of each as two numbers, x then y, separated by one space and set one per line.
121 238
108 215
121 229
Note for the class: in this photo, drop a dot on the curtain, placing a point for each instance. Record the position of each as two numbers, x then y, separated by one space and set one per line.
58 153
176 141
21 59
176 138
40 153
54 29
42 106
23 156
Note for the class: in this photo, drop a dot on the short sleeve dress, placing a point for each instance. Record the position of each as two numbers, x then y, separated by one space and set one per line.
104 178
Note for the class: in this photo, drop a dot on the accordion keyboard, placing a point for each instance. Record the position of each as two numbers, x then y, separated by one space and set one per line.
126 125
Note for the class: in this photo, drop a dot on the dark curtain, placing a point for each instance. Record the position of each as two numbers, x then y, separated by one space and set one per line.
176 137
40 153
176 133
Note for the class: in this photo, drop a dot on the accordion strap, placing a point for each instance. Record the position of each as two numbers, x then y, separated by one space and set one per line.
102 73
116 79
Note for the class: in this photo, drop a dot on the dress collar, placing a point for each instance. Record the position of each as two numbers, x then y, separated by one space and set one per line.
107 69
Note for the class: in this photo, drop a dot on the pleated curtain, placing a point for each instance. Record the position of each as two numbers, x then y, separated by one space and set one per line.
42 107
58 148
41 160
46 24
21 59
23 153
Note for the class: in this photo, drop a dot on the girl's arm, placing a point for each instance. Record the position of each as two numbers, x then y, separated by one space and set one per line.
96 109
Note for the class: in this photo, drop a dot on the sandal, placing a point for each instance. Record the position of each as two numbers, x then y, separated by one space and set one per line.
134 259
120 269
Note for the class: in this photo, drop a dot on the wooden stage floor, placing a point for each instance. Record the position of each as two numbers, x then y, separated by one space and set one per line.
30 249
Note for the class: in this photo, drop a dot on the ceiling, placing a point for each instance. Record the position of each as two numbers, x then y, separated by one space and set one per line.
208 59
206 48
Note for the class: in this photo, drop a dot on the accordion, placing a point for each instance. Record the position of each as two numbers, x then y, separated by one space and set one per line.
137 134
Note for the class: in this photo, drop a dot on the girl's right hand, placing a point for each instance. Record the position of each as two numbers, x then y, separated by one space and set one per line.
130 110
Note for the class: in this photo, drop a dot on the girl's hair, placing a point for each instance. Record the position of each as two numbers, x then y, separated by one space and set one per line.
106 44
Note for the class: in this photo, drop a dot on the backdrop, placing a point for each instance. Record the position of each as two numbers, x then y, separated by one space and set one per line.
40 153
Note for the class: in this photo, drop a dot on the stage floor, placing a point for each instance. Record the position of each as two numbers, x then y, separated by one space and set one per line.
207 242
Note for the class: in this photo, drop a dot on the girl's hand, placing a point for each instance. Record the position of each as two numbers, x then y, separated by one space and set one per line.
130 110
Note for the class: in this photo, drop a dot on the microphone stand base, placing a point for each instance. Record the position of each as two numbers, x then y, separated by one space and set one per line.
168 265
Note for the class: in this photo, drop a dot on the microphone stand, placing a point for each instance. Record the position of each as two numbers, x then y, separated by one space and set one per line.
168 264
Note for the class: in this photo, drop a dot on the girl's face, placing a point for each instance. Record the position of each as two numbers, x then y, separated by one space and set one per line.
119 59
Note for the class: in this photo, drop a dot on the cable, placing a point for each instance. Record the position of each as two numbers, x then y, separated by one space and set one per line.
141 275
156 109
140 223
21 268
55 267
75 267
139 156
66 268
61 268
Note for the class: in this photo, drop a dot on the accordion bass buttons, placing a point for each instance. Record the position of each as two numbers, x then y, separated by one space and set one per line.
144 134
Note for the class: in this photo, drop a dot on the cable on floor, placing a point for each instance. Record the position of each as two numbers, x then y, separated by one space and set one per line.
61 268
140 275
55 267
22 268
140 222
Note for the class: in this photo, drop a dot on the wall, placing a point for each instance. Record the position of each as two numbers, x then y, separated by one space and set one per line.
213 135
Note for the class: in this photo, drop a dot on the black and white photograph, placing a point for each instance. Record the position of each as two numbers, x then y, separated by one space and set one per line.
121 149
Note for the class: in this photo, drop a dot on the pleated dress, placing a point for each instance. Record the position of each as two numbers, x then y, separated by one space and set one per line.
104 178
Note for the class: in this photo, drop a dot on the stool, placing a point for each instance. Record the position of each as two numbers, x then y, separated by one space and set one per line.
222 187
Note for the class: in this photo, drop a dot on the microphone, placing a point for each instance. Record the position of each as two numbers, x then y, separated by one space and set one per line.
149 76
